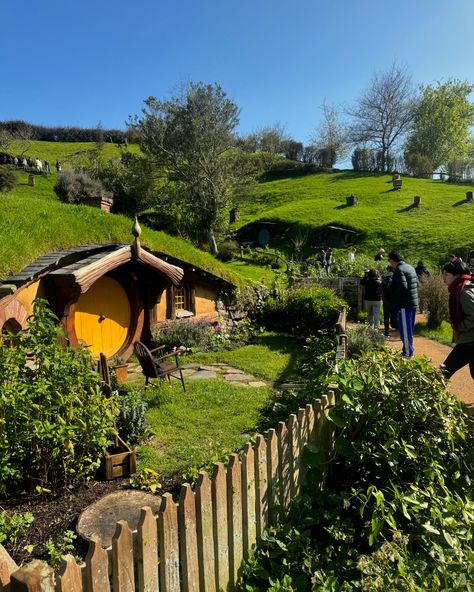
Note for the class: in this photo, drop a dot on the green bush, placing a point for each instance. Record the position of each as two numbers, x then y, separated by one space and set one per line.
13 525
363 339
433 294
228 250
182 333
131 419
78 188
419 165
8 178
55 421
302 311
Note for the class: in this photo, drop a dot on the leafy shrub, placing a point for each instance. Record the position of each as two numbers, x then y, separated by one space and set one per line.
56 549
363 339
266 257
396 513
131 422
419 165
55 421
364 159
182 333
146 480
78 188
228 250
302 311
13 525
434 296
8 178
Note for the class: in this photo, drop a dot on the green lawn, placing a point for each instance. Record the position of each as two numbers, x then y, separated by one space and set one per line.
214 418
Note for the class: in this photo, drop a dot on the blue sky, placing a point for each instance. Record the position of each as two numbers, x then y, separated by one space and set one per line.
85 62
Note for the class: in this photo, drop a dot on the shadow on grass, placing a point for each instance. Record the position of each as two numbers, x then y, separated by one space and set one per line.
286 344
412 206
348 175
460 203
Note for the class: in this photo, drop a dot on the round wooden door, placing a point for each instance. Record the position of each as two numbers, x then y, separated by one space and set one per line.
102 317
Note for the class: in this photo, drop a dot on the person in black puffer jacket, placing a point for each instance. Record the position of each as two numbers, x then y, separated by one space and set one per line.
372 296
405 298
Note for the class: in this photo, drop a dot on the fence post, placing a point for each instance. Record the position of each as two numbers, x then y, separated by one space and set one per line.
36 576
147 544
249 519
97 567
234 517
122 554
168 545
188 539
273 494
7 567
219 508
262 485
284 459
205 533
70 576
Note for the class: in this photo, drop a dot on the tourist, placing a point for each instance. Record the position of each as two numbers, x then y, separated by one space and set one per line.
380 255
59 166
404 291
47 168
328 262
372 296
39 165
421 271
457 277
389 310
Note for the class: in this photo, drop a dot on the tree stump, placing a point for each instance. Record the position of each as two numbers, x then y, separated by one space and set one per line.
31 180
351 200
417 201
469 196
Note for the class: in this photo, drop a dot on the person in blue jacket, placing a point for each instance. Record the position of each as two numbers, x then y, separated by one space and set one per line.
404 292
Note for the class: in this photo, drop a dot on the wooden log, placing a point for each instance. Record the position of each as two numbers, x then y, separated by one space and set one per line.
205 534
273 476
168 545
147 552
249 518
70 576
188 539
294 453
234 517
97 568
122 558
261 478
284 463
35 576
221 543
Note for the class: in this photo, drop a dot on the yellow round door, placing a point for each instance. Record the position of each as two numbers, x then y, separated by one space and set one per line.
102 317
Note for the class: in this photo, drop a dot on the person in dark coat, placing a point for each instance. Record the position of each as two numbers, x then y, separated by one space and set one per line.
371 282
422 273
405 298
389 310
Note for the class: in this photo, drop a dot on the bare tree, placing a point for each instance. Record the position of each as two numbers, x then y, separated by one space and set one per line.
384 112
331 136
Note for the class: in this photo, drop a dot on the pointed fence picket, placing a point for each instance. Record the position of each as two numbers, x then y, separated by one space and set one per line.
198 544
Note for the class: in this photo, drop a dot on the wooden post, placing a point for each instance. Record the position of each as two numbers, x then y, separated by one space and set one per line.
168 545
31 180
469 196
219 508
205 533
249 519
234 517
261 475
122 558
97 568
188 539
147 543
417 201
351 200
36 576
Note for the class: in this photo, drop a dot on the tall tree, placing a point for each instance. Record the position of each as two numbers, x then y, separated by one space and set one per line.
441 125
331 137
190 139
384 112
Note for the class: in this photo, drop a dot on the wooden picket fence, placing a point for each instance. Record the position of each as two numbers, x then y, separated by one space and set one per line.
197 544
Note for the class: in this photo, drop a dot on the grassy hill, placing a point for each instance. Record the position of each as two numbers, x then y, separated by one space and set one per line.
34 222
444 222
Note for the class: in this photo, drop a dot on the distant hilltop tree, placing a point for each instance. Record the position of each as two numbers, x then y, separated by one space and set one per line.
65 134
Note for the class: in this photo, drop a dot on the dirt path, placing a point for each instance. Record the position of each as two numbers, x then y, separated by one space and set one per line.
461 384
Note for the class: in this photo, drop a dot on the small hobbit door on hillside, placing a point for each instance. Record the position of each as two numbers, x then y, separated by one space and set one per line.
102 317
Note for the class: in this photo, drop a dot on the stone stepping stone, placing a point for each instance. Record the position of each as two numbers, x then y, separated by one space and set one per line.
239 377
100 518
189 371
211 368
203 374
257 383
190 365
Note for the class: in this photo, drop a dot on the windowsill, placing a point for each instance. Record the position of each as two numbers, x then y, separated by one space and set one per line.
184 314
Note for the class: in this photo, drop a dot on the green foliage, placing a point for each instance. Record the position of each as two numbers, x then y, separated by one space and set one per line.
54 420
131 422
228 250
182 333
441 130
146 480
302 311
419 165
79 188
363 339
55 550
398 512
13 526
434 297
8 178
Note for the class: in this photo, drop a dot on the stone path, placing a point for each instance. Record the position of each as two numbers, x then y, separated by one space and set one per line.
194 371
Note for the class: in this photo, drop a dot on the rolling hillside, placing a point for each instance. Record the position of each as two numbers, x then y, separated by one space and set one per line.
443 223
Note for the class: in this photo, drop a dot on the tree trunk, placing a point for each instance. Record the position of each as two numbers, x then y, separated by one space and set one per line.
212 242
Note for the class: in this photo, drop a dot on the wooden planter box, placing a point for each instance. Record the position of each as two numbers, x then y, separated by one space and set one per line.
118 461
121 372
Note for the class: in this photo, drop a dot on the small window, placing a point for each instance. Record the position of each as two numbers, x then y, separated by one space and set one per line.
180 302
181 299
